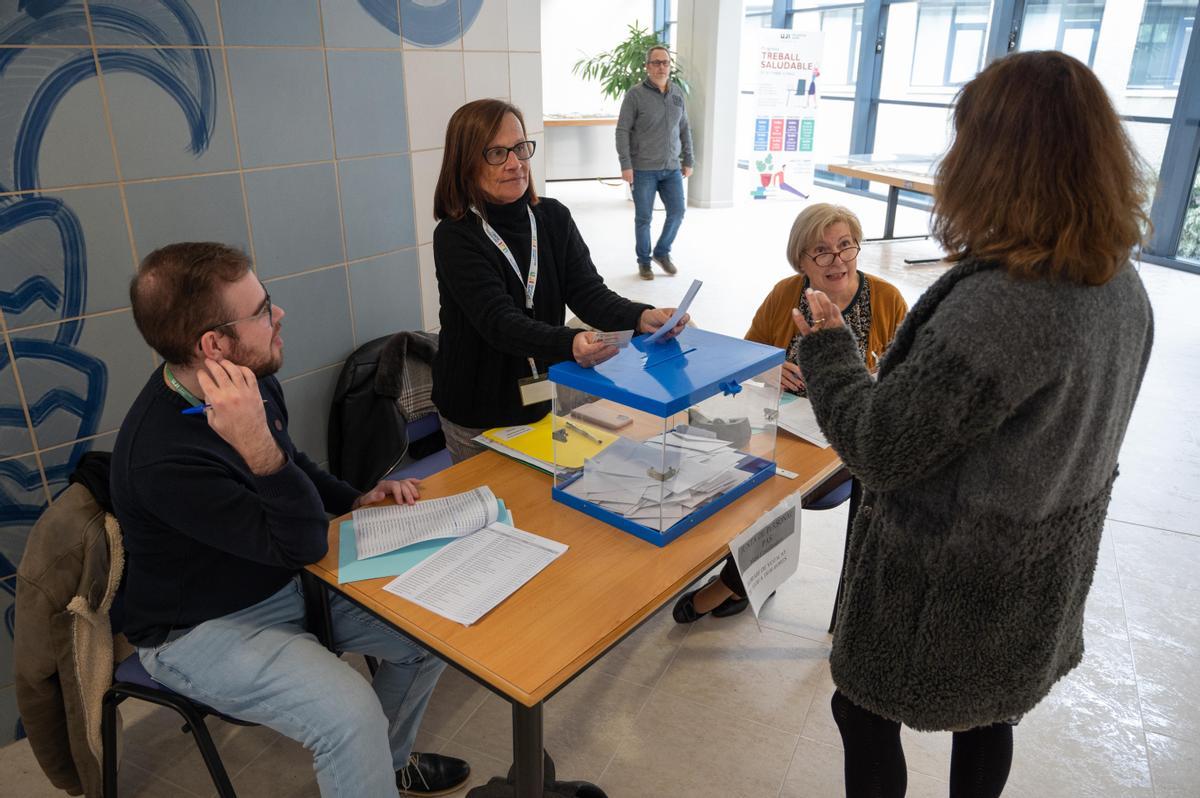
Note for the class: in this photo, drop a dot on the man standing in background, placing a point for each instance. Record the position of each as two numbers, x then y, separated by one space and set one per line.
654 145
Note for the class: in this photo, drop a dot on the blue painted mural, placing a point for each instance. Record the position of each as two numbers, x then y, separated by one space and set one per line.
49 52
37 80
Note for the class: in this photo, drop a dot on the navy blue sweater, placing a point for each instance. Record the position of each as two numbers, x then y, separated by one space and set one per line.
205 537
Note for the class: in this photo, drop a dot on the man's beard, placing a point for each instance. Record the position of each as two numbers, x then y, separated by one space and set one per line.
261 365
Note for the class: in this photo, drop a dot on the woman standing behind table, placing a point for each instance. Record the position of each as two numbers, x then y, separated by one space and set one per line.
508 265
823 248
988 446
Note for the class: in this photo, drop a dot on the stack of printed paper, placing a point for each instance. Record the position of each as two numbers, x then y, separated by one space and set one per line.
658 482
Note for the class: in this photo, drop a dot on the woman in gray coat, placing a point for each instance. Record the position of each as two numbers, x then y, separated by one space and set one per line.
988 447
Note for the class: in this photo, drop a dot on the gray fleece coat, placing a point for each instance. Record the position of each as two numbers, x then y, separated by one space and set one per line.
987 450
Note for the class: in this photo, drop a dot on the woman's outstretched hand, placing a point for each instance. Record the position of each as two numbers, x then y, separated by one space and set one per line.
826 315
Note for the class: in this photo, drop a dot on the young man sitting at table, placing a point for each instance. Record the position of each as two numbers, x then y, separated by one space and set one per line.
220 511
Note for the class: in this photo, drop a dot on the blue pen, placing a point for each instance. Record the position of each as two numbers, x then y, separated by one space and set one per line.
198 409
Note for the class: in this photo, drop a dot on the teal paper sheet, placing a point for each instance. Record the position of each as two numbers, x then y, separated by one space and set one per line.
394 563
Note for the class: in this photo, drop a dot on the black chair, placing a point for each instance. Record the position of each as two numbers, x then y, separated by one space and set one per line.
130 680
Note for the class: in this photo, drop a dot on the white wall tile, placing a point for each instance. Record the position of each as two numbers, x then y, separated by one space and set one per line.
489 31
487 75
525 25
425 168
429 290
434 88
539 163
525 80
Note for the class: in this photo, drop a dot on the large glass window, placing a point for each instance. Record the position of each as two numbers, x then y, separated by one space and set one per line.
950 41
1189 240
1162 41
843 38
1071 26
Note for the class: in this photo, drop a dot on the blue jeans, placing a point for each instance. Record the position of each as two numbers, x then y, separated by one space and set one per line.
260 665
668 184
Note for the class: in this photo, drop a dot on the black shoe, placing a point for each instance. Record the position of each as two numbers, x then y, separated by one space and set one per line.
644 271
733 605
665 263
685 608
579 789
431 774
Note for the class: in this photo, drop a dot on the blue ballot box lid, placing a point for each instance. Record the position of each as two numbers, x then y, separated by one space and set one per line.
665 378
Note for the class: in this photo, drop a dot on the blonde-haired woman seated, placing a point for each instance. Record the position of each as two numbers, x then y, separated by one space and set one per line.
823 248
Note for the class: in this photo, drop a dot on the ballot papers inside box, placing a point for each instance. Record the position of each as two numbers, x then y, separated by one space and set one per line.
663 435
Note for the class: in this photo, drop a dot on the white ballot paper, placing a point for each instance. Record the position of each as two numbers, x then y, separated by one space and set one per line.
378 530
618 338
768 552
678 314
468 578
797 417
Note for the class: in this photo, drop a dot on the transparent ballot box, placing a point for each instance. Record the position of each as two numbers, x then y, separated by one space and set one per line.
663 435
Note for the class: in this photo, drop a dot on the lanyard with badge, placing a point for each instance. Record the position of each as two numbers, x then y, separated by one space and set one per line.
536 388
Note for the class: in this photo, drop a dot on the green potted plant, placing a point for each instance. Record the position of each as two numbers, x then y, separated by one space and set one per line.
624 66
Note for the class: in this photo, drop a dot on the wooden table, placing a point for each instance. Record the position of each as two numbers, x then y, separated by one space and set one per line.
907 175
588 600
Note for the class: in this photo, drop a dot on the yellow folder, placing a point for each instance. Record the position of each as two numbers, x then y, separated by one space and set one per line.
535 441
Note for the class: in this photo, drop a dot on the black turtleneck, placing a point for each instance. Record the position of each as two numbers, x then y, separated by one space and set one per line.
487 335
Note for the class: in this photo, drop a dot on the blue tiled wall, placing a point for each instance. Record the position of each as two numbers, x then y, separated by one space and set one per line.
304 131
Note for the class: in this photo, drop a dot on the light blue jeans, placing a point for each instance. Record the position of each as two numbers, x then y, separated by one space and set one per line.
260 665
668 184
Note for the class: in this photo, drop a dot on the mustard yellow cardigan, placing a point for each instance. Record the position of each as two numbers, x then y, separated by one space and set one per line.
773 324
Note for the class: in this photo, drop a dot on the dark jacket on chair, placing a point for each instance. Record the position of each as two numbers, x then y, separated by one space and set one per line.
384 386
64 647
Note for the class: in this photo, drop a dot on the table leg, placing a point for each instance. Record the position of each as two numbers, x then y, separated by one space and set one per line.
527 750
889 220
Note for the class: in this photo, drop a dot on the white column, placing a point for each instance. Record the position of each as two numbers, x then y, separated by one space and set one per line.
709 41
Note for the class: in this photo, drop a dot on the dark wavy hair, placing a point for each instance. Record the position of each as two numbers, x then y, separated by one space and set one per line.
468 133
1041 176
176 295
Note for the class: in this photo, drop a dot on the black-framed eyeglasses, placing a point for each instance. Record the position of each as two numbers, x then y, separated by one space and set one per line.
659 62
265 312
497 156
846 254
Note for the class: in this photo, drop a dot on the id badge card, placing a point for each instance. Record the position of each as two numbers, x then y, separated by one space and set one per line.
535 389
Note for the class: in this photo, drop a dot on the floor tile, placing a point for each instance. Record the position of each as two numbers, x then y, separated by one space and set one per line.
643 657
483 767
454 700
802 605
1174 765
1156 555
728 665
1167 687
584 724
680 748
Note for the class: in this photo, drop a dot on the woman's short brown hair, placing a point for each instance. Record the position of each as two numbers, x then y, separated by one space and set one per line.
176 295
468 134
1041 175
811 224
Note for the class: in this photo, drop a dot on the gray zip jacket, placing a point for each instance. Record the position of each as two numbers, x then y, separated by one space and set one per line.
987 452
652 129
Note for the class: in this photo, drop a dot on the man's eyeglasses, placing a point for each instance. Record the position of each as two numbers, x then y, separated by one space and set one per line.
826 258
264 313
497 156
659 62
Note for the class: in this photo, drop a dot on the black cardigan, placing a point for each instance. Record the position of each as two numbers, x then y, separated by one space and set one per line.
204 536
486 333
